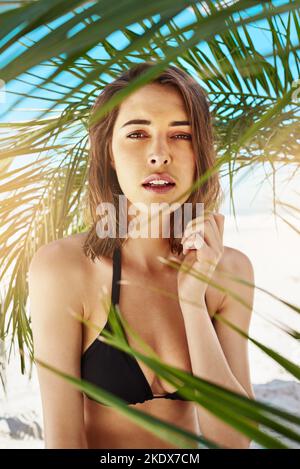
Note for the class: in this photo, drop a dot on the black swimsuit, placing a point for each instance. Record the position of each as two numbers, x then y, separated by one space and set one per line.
113 369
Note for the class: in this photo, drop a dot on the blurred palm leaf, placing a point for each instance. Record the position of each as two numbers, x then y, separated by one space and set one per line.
234 409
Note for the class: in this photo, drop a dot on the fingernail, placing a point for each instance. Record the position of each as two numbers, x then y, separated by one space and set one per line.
189 244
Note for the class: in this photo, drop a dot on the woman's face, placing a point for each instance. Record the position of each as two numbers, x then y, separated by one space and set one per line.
161 143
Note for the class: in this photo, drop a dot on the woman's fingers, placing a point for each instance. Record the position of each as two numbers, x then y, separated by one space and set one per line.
200 224
210 235
197 225
194 241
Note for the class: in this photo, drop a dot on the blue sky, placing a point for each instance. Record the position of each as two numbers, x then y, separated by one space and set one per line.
251 196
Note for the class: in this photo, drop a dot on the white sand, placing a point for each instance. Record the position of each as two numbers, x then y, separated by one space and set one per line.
276 263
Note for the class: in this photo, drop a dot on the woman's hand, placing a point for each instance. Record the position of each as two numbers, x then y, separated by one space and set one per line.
203 248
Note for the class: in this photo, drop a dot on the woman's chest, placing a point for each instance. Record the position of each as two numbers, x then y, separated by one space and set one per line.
151 307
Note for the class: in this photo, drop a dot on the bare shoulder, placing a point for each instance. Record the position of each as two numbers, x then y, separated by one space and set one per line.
57 279
62 268
236 262
233 265
61 255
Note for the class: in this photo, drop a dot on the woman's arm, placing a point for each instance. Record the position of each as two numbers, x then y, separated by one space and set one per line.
55 292
220 354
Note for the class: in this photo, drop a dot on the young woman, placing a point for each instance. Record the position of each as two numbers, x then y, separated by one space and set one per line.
162 130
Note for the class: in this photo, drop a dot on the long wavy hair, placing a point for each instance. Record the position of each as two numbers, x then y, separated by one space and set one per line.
103 185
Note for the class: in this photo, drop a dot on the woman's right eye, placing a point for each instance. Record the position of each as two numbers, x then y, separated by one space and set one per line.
135 133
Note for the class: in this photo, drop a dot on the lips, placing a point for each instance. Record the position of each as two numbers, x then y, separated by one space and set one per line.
159 177
158 189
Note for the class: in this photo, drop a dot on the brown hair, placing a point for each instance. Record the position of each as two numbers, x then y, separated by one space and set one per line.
102 179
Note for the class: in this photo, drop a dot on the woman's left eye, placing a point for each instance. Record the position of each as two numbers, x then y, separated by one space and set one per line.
189 137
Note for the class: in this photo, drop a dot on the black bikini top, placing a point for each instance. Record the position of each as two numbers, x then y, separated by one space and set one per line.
113 369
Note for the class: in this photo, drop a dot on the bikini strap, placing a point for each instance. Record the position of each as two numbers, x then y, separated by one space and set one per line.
115 289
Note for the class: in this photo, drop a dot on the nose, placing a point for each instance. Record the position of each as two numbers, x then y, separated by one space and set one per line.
159 154
158 159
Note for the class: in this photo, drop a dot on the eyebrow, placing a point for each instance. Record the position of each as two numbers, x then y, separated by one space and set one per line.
147 122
